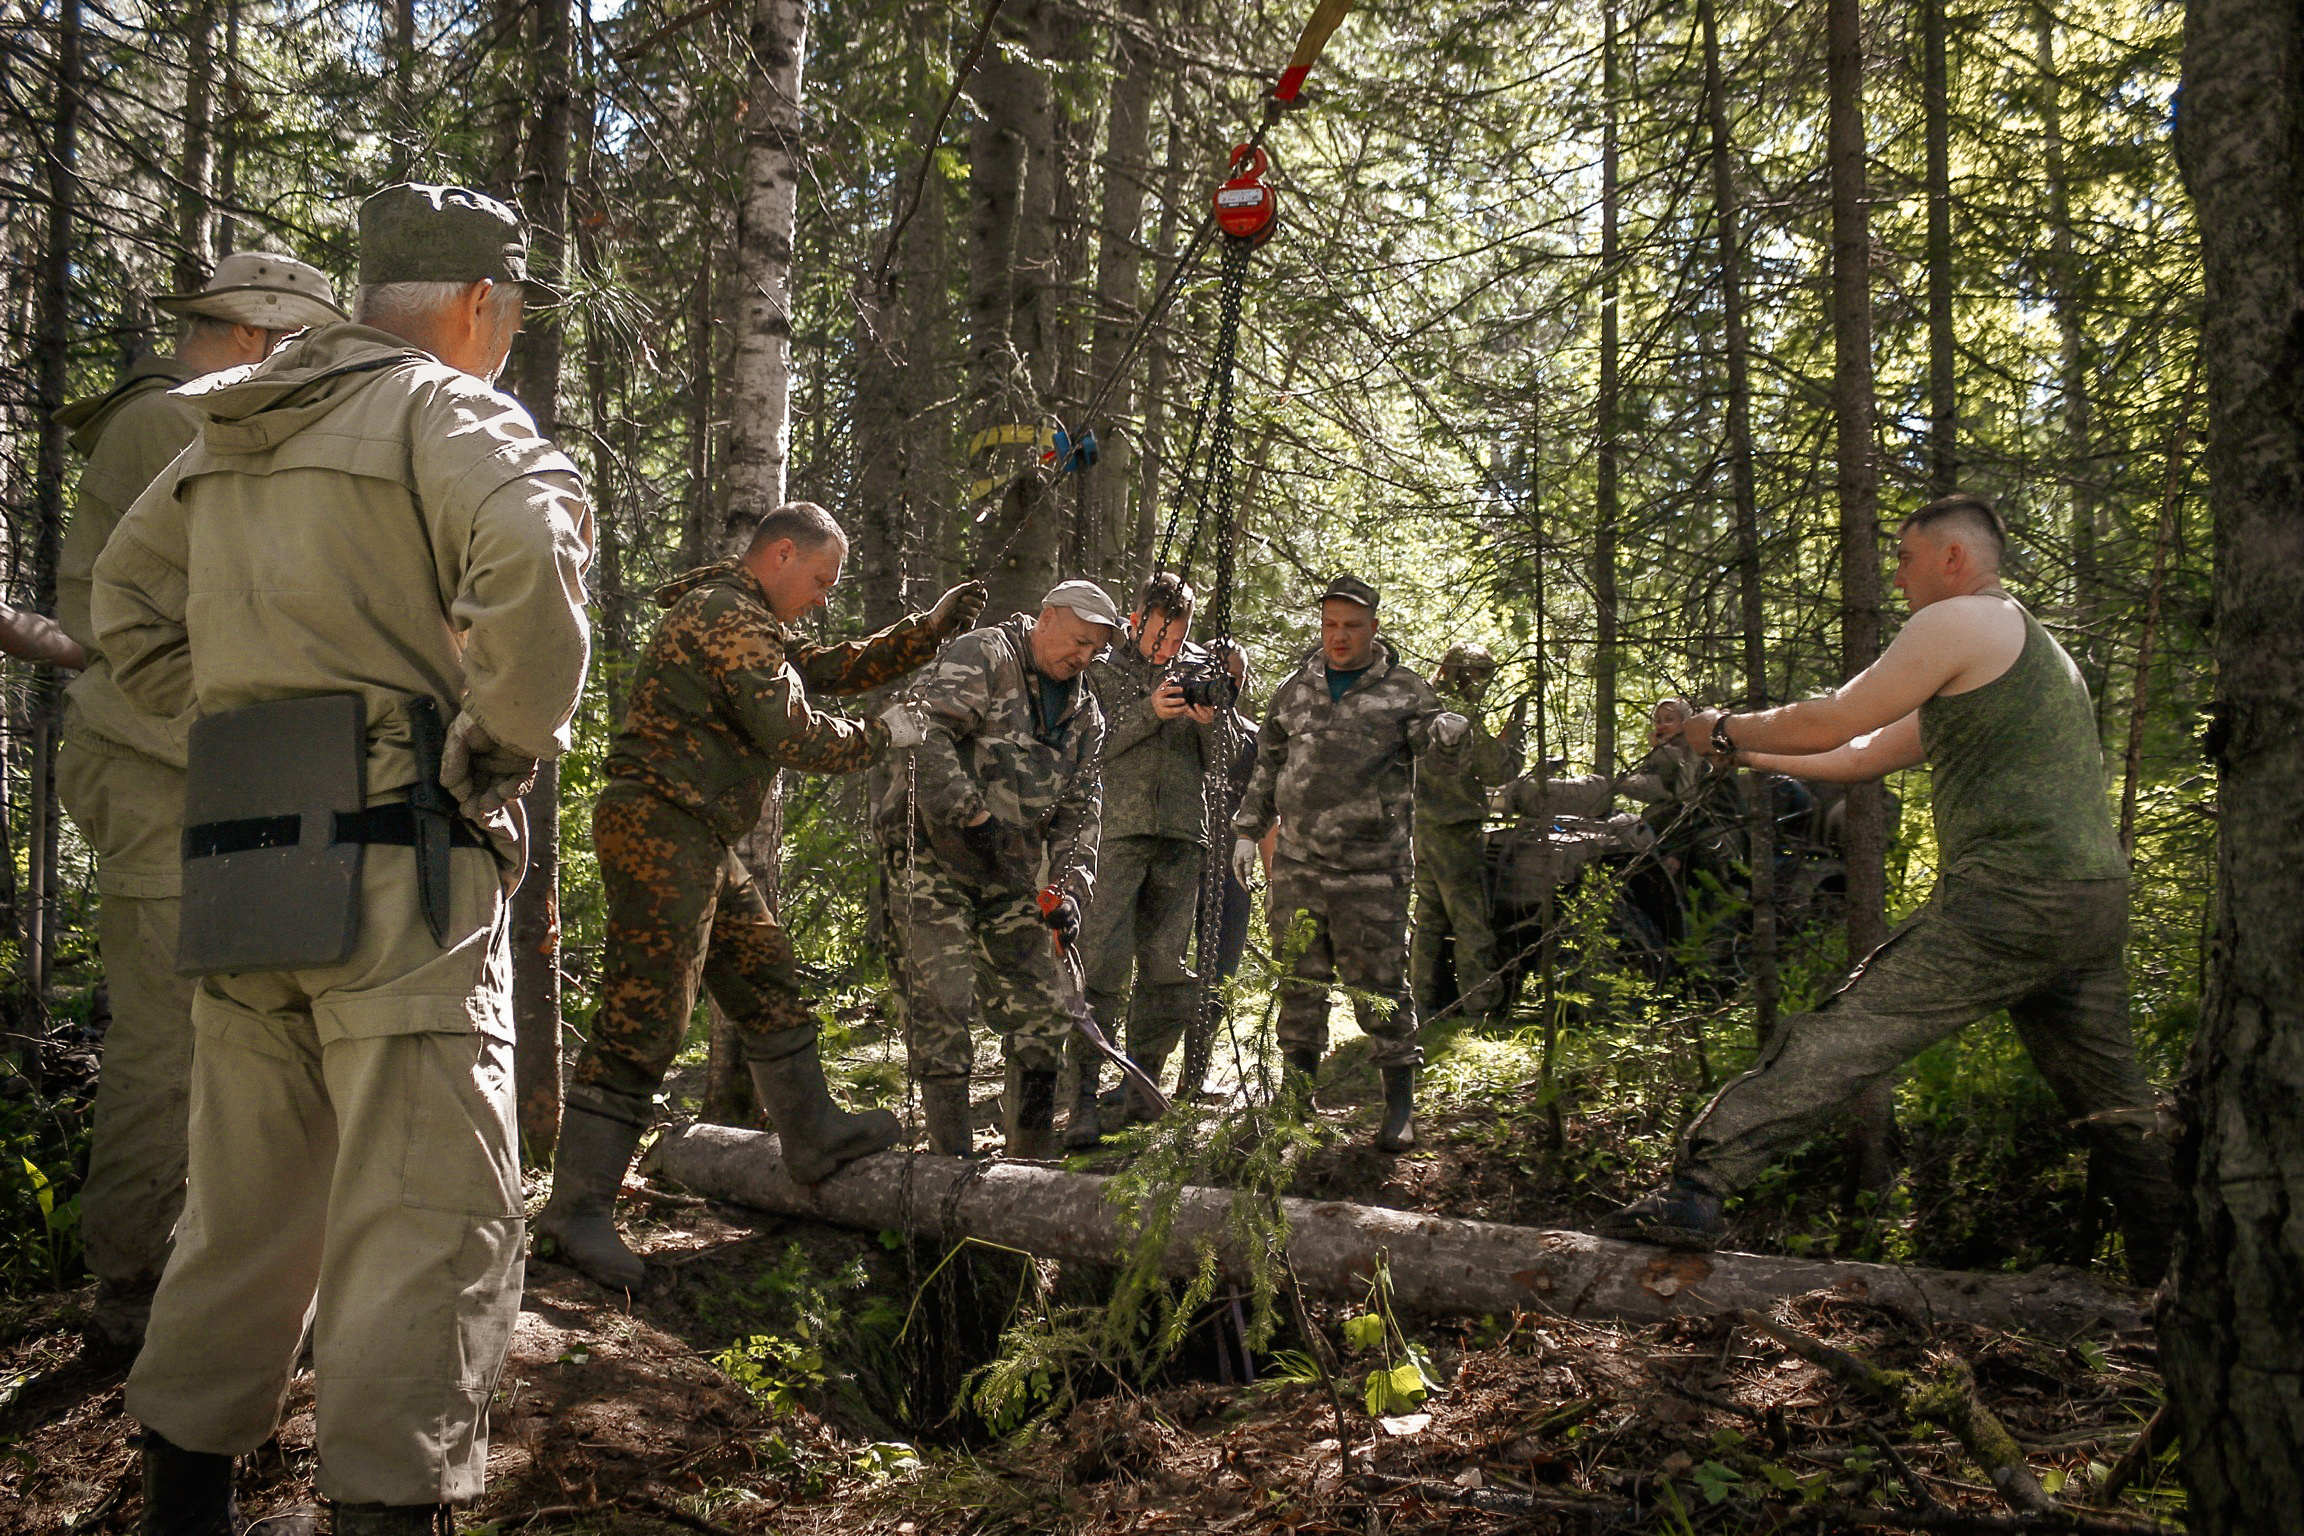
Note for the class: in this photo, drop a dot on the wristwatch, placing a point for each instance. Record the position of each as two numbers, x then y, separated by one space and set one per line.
1721 745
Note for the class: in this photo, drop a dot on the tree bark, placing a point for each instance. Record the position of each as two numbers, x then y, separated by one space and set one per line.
2155 591
1759 804
1438 1264
760 371
698 541
1865 839
401 104
1111 543
2233 1334
228 136
1943 367
195 192
535 378
1606 505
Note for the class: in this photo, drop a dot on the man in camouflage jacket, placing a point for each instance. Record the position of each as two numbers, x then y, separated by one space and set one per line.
1154 841
1335 766
999 802
1453 908
719 704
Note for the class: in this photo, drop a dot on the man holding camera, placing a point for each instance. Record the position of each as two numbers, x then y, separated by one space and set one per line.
1155 837
995 808
1452 898
1335 766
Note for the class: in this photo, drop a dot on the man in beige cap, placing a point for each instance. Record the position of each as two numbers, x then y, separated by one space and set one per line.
999 801
122 778
364 585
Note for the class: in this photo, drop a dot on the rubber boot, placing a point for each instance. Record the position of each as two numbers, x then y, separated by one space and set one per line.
393 1520
1032 1133
186 1493
1398 1132
578 1224
944 1105
817 1134
1081 1130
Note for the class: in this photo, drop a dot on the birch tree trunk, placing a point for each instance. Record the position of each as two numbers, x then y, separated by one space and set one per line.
1943 375
2232 1336
195 192
1607 508
1760 804
535 377
1858 488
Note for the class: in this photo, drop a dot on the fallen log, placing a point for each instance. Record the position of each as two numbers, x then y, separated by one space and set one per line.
1438 1264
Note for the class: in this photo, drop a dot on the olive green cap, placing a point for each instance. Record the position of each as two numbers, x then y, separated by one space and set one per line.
417 233
1351 589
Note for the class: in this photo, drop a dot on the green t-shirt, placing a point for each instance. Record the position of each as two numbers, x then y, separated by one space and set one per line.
1340 683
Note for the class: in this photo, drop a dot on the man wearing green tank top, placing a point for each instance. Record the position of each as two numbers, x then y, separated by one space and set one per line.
2030 911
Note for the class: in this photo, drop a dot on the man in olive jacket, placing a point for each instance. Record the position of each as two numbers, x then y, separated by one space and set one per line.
720 702
121 776
364 517
1335 767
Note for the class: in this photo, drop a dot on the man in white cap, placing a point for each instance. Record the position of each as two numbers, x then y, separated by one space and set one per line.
121 775
998 803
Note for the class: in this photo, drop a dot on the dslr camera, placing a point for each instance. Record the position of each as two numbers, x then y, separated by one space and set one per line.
1206 684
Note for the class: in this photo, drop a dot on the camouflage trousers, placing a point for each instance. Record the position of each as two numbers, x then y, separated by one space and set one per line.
954 947
1359 936
683 911
1453 908
1140 922
2048 951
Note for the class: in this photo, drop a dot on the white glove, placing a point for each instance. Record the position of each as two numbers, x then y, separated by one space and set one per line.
907 722
1449 729
481 773
1244 859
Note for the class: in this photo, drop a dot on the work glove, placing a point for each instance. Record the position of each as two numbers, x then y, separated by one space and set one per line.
1449 730
958 608
480 772
1244 859
1063 919
907 722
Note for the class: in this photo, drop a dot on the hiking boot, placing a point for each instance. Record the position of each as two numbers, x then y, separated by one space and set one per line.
394 1520
578 1224
1398 1131
1081 1127
944 1105
1141 1109
817 1135
1032 1135
186 1493
1680 1215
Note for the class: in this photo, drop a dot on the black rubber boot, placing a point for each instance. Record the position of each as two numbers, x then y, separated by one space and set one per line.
1398 1132
578 1224
817 1134
1081 1127
944 1105
394 1520
1032 1130
186 1493
1681 1215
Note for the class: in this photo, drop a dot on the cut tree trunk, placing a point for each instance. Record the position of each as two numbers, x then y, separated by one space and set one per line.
1438 1264
2234 1338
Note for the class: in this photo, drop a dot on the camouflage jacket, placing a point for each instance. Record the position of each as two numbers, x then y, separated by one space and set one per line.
986 752
720 699
1452 788
1337 775
1152 767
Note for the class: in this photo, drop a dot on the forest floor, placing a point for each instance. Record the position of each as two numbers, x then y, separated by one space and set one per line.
757 1383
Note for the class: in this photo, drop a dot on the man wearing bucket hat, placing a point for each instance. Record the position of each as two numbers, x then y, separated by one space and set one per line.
364 585
1335 768
122 778
999 801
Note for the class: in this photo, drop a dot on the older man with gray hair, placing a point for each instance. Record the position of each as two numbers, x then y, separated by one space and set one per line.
999 802
364 585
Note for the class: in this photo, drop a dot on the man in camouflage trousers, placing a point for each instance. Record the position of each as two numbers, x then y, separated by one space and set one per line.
2029 914
1453 905
1153 843
121 775
1335 764
720 702
999 802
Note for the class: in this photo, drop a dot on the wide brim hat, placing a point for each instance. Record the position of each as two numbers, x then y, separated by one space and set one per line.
415 232
261 288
